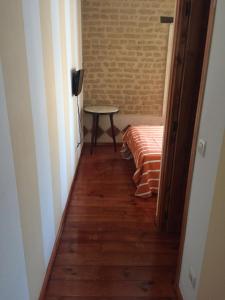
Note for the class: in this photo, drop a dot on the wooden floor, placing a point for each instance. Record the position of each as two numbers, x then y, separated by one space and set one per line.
110 248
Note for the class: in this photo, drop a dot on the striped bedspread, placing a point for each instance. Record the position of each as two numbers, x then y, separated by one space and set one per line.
144 144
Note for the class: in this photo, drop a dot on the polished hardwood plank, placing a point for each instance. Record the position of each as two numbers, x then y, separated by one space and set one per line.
114 288
162 274
110 298
124 202
165 246
110 248
116 259
114 235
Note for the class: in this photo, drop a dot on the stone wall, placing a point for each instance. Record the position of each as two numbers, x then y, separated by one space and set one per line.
124 53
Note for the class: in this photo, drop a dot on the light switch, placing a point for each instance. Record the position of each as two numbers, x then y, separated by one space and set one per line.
192 277
202 147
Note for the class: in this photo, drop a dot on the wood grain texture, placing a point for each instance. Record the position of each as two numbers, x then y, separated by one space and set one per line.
110 247
189 45
195 137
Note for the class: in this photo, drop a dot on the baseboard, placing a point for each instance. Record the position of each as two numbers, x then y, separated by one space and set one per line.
58 237
104 144
120 121
178 292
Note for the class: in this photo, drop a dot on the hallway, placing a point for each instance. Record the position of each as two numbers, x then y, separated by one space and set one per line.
110 248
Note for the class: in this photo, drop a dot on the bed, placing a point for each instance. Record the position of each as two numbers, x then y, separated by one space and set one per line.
144 145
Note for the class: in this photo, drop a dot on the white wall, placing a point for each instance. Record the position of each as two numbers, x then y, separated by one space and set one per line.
211 283
18 102
13 277
31 11
78 34
38 118
205 170
57 53
69 65
77 61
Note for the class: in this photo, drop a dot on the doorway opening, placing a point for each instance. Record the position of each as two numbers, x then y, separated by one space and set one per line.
185 49
127 50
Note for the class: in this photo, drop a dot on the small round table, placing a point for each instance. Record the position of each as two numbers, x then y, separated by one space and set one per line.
96 111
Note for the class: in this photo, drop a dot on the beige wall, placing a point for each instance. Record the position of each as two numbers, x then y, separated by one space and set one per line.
40 111
125 49
211 285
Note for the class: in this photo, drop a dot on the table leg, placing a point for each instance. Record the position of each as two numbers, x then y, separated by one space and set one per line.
93 132
96 128
113 132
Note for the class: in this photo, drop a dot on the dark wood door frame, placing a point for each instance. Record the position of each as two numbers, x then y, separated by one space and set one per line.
195 136
191 25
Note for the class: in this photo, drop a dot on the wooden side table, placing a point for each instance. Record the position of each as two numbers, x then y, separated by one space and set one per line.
96 111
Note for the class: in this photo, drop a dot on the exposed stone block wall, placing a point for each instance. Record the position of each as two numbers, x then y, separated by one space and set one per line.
124 53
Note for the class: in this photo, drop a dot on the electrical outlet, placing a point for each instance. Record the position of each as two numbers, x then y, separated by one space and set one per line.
192 277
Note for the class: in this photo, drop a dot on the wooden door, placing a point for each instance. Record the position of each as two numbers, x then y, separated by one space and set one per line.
189 44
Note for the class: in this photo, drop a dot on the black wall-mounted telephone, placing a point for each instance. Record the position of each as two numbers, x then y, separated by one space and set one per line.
76 85
77 81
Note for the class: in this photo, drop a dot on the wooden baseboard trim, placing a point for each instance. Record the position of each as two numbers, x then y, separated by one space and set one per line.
178 292
104 144
58 237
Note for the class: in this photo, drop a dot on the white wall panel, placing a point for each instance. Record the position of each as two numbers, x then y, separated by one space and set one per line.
69 98
31 14
79 65
13 277
59 98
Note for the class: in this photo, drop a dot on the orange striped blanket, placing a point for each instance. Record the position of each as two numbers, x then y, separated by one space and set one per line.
144 144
